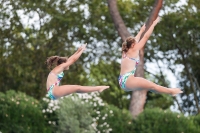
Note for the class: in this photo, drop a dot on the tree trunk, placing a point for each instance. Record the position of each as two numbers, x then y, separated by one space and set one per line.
138 97
117 19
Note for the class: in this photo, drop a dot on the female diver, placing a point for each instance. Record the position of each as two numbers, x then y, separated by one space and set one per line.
55 91
130 59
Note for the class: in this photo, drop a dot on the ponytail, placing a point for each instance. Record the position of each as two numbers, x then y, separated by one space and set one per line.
124 47
127 43
55 61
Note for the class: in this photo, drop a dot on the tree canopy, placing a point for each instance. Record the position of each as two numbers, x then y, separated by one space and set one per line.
31 31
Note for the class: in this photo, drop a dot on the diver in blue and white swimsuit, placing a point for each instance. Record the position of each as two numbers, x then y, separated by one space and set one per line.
54 89
130 48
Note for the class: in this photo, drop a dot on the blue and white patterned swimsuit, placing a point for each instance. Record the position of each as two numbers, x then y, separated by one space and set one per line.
57 83
123 78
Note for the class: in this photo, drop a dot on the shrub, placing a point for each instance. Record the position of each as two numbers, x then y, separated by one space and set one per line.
74 116
69 115
196 120
77 113
107 118
74 113
117 120
159 121
20 113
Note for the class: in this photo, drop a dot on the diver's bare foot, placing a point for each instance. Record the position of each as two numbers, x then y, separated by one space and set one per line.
175 91
103 88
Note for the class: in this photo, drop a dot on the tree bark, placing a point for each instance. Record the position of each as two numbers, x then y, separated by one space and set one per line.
138 97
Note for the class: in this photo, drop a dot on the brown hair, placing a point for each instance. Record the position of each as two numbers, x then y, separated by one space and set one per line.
55 61
127 43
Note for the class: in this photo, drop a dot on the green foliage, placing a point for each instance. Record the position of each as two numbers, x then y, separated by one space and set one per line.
21 113
160 121
162 101
85 113
68 114
74 116
196 120
117 120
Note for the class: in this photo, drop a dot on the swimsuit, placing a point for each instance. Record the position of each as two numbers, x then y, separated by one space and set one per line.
123 78
57 83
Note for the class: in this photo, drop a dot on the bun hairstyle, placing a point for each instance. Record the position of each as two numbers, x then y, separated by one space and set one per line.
55 61
127 43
